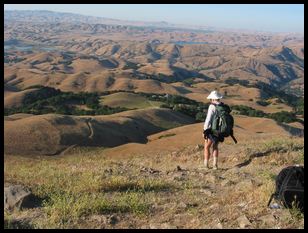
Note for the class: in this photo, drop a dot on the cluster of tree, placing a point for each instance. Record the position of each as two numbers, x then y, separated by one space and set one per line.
49 100
233 80
272 92
298 106
181 104
40 94
188 82
248 111
262 102
283 116
296 102
130 65
292 100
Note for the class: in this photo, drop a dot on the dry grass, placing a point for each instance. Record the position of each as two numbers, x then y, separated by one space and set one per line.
153 191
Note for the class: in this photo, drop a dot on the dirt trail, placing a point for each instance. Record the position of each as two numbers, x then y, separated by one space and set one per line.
88 122
66 149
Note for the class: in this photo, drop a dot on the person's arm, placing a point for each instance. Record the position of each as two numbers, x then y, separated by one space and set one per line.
209 116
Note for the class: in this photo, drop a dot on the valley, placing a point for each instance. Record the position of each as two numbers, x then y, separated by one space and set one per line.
103 122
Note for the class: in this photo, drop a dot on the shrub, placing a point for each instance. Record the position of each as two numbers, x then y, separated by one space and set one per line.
42 93
188 81
166 135
248 111
262 102
233 80
299 106
284 116
200 116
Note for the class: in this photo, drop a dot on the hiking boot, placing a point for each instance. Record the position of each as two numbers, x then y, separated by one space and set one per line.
206 168
215 167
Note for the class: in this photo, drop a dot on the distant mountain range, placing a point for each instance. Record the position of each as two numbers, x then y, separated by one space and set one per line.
56 17
145 55
59 22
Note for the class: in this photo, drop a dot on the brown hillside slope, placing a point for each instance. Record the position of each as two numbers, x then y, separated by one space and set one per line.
246 130
236 95
275 64
51 134
15 98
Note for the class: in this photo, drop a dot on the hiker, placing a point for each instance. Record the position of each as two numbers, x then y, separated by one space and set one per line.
210 138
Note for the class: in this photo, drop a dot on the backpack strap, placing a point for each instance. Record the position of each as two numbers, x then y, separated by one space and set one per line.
232 136
270 200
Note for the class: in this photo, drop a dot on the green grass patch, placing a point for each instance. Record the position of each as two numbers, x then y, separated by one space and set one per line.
267 175
123 184
65 208
282 145
72 187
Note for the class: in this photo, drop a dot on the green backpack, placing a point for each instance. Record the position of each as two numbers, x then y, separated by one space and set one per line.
223 122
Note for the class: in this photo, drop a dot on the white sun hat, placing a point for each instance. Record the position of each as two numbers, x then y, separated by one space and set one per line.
214 95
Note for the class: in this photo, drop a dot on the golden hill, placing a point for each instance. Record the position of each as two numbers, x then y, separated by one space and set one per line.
279 64
14 99
50 134
247 130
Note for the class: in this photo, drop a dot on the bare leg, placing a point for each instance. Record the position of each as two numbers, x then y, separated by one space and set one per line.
215 155
207 146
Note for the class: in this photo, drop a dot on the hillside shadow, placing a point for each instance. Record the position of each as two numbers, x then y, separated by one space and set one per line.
135 130
8 87
182 90
252 156
64 120
292 130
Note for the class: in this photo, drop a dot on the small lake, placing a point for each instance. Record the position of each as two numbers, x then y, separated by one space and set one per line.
189 42
29 48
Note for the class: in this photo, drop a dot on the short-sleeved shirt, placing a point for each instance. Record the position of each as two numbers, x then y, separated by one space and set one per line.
211 112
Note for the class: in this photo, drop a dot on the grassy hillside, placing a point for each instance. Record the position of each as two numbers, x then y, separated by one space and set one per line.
24 135
158 184
90 189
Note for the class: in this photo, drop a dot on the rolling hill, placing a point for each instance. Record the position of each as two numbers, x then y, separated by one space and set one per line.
23 134
112 140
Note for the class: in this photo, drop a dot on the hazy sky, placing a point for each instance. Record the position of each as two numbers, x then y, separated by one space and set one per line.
262 17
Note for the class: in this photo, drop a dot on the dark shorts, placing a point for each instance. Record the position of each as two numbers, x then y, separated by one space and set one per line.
215 139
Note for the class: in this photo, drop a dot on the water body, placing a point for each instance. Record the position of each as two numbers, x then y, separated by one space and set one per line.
189 42
24 47
19 45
